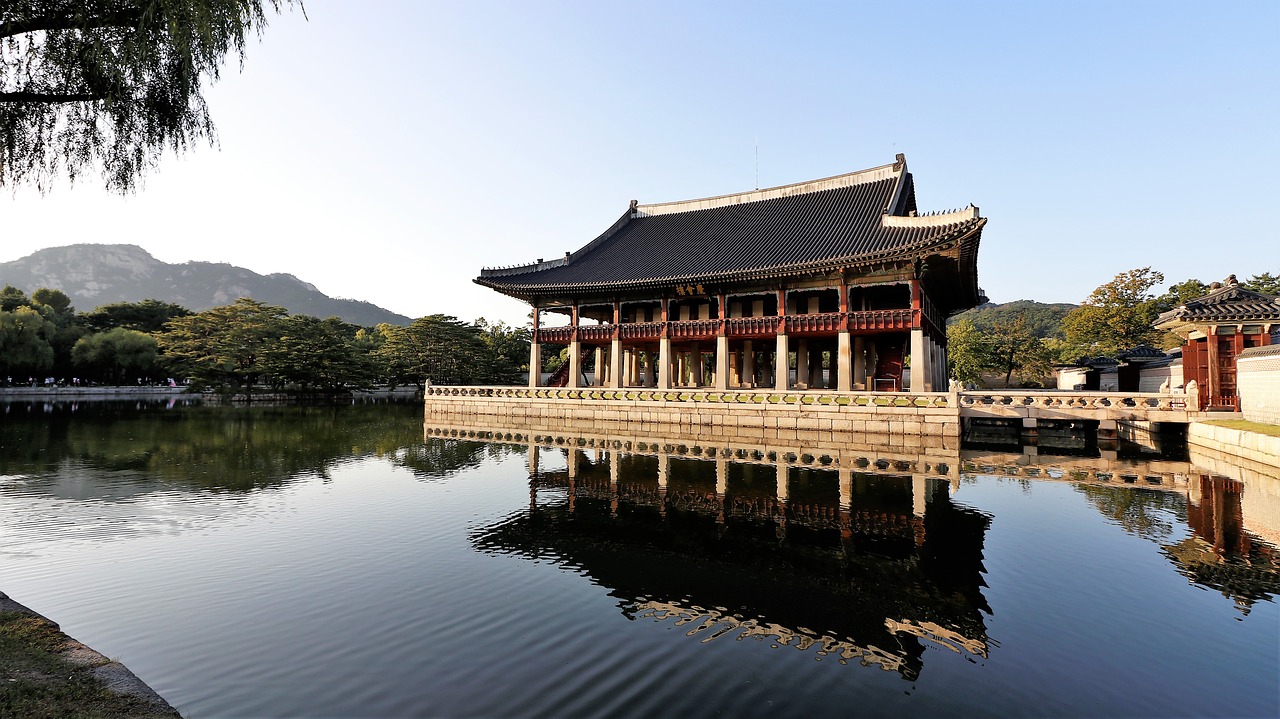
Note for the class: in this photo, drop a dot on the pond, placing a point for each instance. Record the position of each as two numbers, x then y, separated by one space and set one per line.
330 561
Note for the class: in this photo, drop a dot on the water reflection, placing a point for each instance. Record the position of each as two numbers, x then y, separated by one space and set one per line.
861 566
730 538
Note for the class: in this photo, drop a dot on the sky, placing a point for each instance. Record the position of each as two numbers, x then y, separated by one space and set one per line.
387 151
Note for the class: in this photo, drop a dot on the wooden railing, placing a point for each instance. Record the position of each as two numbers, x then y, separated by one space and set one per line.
825 323
640 331
694 329
705 396
556 335
822 323
752 326
880 320
595 333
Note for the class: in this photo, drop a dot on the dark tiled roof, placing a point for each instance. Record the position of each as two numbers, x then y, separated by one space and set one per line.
1252 352
1230 303
1142 352
852 220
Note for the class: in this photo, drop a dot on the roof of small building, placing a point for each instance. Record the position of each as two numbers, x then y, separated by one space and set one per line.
849 221
1228 303
1254 352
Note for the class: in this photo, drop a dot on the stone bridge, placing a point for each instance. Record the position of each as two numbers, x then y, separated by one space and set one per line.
1103 407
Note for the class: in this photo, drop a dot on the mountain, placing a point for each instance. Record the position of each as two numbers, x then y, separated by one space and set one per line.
94 275
1045 319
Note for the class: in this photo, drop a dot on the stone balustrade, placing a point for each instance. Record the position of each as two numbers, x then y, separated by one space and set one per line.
1136 406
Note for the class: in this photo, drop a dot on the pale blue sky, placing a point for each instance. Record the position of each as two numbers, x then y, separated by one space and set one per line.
386 151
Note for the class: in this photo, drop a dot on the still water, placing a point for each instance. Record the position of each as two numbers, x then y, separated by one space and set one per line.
332 562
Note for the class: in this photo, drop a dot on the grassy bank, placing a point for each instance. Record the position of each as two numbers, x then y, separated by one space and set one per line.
45 673
1244 425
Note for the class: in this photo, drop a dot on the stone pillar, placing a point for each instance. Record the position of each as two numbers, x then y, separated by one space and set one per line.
722 486
650 370
664 472
781 380
846 488
615 364
615 472
844 367
918 363
575 363
802 364
919 494
598 379
699 377
860 363
534 457
664 363
535 364
784 483
748 378
722 362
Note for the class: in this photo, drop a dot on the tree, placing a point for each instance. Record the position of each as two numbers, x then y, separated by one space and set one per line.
1015 347
315 354
147 316
115 355
56 300
968 351
508 350
1179 294
111 82
1009 345
1117 315
24 342
11 298
439 348
223 346
1265 282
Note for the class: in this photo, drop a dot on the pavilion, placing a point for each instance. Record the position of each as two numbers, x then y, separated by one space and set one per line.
1215 329
839 278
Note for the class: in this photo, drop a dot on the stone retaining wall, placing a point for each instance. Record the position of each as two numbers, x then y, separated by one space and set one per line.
1258 453
936 426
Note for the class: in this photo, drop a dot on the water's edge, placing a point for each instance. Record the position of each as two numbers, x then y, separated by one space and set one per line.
116 676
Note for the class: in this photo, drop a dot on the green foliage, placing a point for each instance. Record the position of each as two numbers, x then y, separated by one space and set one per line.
508 350
11 298
56 300
1044 320
439 348
146 316
1117 315
223 346
968 352
314 354
1008 345
1180 293
1265 282
111 83
24 342
115 356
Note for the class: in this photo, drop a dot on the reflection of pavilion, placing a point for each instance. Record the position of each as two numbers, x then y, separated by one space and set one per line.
861 563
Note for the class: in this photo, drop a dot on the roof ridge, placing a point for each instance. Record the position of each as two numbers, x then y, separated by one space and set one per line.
849 179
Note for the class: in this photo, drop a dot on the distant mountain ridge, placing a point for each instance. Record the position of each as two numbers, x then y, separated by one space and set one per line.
1045 320
94 275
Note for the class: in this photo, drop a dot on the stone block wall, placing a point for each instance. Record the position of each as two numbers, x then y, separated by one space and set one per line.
1258 384
924 426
